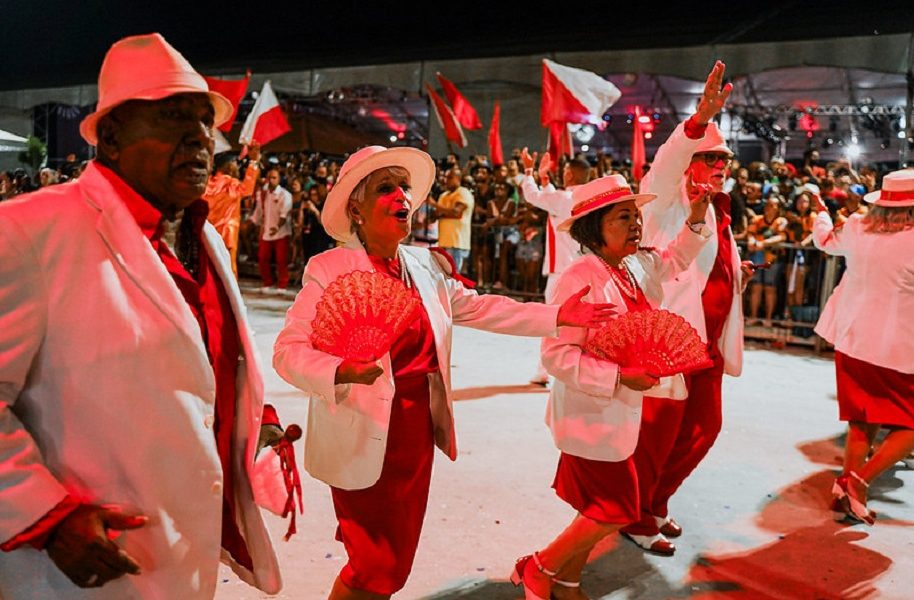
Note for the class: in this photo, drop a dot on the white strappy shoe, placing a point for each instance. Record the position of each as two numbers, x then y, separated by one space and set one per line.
517 576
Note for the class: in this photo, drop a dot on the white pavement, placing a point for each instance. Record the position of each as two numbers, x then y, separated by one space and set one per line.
754 513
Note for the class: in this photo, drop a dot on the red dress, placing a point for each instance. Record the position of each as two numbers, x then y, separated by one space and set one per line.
380 525
604 491
868 393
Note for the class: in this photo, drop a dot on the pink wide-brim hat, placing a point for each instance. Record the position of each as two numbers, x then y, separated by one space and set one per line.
897 190
599 193
146 67
335 214
713 141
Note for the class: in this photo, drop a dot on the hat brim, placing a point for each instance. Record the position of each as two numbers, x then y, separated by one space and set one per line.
421 168
640 200
221 105
722 148
874 198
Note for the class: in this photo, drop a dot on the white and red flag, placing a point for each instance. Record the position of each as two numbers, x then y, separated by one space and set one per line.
572 95
234 91
446 118
463 110
496 154
266 121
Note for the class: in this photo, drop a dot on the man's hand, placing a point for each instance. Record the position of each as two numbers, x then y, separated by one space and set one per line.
528 160
545 166
254 151
747 267
82 550
351 371
575 313
270 435
699 198
273 230
637 379
714 96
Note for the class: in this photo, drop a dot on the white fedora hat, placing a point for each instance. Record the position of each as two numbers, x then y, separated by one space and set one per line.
335 215
146 67
897 190
599 193
713 141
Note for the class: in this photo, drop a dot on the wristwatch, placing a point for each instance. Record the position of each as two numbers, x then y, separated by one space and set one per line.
701 228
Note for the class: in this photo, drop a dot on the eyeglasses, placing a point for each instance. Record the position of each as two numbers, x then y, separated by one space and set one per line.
712 158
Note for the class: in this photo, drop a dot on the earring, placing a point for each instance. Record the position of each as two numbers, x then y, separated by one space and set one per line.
358 220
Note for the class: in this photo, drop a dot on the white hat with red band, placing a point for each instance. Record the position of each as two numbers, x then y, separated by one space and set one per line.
713 141
599 193
146 67
897 190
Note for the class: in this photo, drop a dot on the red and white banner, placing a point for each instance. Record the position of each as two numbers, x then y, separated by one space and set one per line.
234 91
266 121
496 154
463 110
446 118
572 95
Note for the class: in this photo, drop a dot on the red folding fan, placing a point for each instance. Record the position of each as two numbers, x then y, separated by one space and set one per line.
361 314
660 341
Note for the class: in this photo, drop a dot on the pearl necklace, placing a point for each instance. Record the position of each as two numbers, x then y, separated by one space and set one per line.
628 286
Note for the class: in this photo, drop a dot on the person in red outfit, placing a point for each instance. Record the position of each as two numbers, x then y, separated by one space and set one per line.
130 388
676 436
373 426
594 407
868 319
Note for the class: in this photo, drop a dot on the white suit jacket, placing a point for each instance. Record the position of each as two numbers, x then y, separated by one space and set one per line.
346 436
587 415
561 249
663 219
106 393
870 315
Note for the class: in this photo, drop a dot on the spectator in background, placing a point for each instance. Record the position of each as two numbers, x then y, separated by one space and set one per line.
223 195
297 190
765 232
853 205
503 215
811 167
314 238
454 210
272 212
6 185
753 195
515 177
800 220
47 177
738 212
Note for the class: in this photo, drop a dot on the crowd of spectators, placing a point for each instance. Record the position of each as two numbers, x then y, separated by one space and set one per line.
476 211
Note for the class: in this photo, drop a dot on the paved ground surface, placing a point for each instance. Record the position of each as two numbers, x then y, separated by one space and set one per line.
754 513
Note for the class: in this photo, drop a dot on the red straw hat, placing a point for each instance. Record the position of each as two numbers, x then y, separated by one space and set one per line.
601 192
146 67
897 190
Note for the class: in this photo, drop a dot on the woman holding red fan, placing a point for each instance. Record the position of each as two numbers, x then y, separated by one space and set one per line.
378 410
868 319
595 406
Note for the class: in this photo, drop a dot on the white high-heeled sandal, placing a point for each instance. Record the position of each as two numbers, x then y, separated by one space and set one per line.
855 509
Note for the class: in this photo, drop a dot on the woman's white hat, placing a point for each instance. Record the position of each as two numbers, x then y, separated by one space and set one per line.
335 214
897 190
713 141
599 193
146 67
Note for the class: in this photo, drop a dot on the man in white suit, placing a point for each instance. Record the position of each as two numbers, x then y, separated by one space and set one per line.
130 386
676 435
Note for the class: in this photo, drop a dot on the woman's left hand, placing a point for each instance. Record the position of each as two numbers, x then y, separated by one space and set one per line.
576 313
699 198
748 269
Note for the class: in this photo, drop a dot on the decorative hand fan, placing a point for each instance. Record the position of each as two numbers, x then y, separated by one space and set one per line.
361 314
660 341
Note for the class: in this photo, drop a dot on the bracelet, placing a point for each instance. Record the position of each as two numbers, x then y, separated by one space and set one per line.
696 227
529 172
618 378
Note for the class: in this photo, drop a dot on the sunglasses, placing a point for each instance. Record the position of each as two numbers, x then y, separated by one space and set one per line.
712 158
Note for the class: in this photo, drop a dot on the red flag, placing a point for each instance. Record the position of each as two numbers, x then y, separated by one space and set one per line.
452 130
495 152
266 121
463 110
638 157
233 90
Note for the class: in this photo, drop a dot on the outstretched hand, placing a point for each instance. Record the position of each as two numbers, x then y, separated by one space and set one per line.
527 159
545 167
82 549
574 312
714 96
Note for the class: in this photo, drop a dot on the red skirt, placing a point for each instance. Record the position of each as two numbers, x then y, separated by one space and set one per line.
868 393
604 491
380 525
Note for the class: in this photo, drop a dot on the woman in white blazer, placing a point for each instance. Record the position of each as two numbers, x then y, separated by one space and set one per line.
595 406
869 320
372 427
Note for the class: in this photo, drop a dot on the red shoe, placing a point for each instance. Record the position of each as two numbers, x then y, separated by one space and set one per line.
856 509
517 575
655 544
668 527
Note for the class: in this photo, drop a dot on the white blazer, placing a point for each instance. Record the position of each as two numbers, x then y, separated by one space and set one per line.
870 315
587 415
561 249
346 436
662 221
106 393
